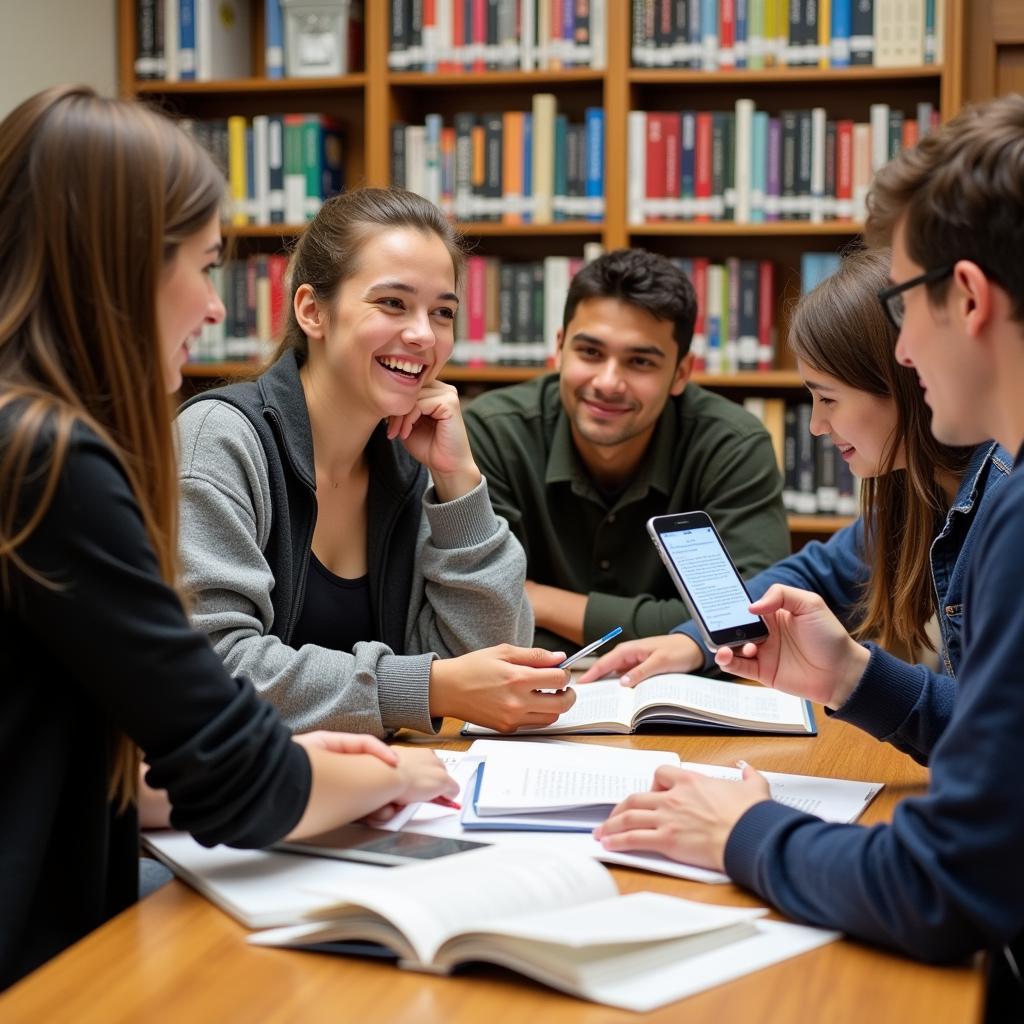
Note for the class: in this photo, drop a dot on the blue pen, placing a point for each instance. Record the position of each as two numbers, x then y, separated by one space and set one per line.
590 648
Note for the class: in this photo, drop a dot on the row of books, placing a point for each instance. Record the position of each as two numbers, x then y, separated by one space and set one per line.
448 36
747 166
723 34
516 167
816 478
211 40
254 293
511 310
280 167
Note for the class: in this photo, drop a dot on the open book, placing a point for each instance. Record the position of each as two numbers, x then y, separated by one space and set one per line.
572 787
679 700
558 919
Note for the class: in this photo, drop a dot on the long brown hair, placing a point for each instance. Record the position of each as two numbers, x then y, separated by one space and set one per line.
327 253
96 195
840 329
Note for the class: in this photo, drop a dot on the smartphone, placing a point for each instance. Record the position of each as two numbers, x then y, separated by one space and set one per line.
707 579
376 846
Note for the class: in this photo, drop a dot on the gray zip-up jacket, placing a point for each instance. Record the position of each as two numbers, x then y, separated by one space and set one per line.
445 578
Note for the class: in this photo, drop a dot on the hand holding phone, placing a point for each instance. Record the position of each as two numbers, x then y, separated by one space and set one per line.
707 579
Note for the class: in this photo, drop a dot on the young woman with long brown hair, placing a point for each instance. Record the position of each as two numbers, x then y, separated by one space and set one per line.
338 539
108 228
903 561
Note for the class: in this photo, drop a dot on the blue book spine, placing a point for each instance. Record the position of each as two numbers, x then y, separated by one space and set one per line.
561 166
527 167
187 40
594 163
709 34
741 31
569 35
687 164
275 39
842 18
759 166
693 34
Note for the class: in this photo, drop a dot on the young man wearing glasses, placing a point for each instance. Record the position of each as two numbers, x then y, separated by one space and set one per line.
944 879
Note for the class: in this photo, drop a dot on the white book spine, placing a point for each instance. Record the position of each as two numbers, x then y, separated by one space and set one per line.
743 157
637 159
818 129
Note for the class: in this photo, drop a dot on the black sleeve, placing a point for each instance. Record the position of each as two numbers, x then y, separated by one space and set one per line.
227 761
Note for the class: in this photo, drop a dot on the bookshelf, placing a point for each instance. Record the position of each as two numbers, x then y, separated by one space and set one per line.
369 100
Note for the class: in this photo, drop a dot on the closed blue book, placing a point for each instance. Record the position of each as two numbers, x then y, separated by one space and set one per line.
842 19
561 183
275 39
594 163
186 40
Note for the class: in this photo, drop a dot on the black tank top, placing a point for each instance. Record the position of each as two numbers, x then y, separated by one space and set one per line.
336 612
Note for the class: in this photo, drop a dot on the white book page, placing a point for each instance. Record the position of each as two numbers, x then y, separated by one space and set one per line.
259 888
732 701
547 777
618 920
838 800
596 704
430 903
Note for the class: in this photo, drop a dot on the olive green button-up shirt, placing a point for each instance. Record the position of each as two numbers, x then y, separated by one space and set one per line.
706 453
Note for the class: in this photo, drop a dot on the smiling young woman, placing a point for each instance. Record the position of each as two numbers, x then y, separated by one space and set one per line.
337 536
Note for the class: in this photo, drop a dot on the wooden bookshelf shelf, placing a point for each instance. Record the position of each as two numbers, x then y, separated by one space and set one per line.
469 80
219 371
489 229
764 229
231 86
818 523
769 76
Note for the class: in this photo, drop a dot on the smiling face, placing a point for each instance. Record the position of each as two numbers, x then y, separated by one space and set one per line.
618 367
860 424
956 381
186 298
390 328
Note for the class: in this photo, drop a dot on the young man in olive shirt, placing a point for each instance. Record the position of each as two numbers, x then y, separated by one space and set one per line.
578 462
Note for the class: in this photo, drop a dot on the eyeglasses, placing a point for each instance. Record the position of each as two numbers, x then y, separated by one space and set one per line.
892 298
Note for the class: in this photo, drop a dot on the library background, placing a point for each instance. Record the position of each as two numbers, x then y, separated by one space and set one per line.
735 136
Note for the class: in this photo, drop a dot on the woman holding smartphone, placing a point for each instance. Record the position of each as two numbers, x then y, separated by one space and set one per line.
108 229
338 540
903 561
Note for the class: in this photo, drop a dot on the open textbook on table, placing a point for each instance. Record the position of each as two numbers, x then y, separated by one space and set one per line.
677 699
554 917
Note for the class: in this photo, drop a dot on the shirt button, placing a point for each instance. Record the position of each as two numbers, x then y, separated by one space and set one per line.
611 518
605 564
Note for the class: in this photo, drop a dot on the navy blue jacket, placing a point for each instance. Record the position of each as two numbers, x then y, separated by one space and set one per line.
838 572
945 878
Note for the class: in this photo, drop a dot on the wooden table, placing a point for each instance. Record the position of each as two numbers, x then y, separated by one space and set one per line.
175 957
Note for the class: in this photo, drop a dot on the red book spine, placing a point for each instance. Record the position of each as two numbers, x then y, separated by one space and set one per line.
909 133
844 169
276 268
702 160
655 165
766 316
476 297
700 286
726 34
671 130
479 34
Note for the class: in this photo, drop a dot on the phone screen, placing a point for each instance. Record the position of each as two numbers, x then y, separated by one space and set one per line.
376 846
710 578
